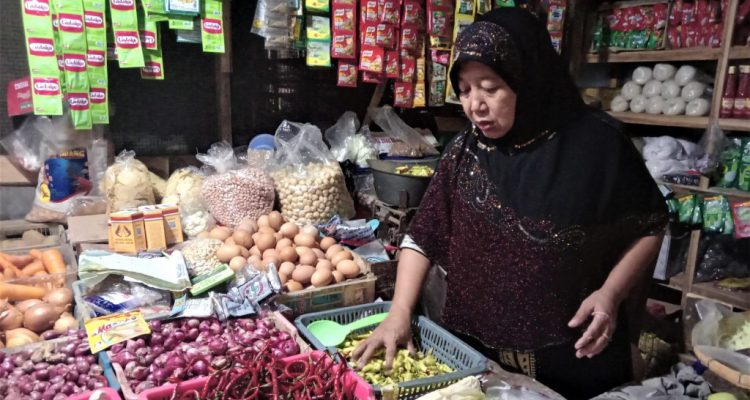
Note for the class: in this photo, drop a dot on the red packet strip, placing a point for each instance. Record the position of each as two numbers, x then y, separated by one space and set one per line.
702 12
690 35
369 11
385 36
408 68
371 77
413 14
409 38
372 59
389 11
369 34
344 45
344 18
440 56
660 16
675 17
439 20
392 64
674 37
347 74
689 16
403 93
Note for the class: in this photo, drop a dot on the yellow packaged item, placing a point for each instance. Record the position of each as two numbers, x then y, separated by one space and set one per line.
128 232
156 238
108 330
172 223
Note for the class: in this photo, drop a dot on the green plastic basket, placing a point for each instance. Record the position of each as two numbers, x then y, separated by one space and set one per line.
428 335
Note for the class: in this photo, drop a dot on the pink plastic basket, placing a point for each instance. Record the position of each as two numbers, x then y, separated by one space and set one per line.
108 394
362 391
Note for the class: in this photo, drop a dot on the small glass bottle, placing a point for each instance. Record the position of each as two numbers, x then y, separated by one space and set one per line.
742 100
729 93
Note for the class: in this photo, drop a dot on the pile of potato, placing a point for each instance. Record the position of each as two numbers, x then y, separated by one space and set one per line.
303 258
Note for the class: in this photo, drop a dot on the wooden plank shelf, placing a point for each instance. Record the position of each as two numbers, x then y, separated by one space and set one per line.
739 52
709 290
680 121
734 124
691 54
712 190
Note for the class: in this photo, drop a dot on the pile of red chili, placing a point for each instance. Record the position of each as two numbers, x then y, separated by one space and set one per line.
251 375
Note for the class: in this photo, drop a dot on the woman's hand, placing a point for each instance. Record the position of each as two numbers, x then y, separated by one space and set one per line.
394 331
602 306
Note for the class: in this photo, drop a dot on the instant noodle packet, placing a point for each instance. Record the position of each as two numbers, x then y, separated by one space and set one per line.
40 49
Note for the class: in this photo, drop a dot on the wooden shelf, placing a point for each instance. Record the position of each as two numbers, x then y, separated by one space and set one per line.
709 290
734 124
680 121
692 54
712 190
739 52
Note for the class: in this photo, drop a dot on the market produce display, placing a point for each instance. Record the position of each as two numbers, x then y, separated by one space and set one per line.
51 370
127 183
415 170
45 316
188 348
29 238
406 367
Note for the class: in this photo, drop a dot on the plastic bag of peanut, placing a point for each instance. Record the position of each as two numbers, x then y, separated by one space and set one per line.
235 192
307 178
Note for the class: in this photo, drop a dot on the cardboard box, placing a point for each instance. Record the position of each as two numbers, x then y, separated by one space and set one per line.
348 293
88 229
153 222
128 231
172 223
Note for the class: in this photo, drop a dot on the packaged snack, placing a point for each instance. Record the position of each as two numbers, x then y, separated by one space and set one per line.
412 14
392 64
154 65
369 34
155 10
148 32
504 3
420 69
318 28
689 16
714 211
318 53
436 93
344 18
687 206
466 7
72 34
385 36
741 215
389 11
743 177
127 183
702 12
674 37
344 46
125 27
675 17
183 7
372 77
408 68
43 66
372 59
419 95
484 6
556 16
322 6
347 74
439 22
369 11
659 16
697 217
212 27
403 93
463 21
409 38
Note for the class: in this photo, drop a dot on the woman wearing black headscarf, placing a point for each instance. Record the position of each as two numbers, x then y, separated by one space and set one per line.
542 214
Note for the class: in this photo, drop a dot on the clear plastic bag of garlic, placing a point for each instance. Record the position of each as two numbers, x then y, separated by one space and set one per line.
127 183
183 188
307 178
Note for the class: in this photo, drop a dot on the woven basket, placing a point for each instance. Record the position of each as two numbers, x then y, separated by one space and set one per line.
725 372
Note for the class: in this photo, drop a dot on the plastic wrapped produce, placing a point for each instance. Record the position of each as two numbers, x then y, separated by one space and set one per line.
675 106
200 255
127 183
670 89
184 189
630 90
619 104
693 90
652 88
642 74
687 73
638 104
308 179
655 105
235 192
664 72
697 108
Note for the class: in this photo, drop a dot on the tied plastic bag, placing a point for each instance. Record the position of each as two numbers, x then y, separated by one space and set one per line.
642 74
396 128
127 183
630 90
720 335
347 144
183 188
25 143
308 179
638 104
619 104
712 142
693 90
468 388
652 88
664 72
235 192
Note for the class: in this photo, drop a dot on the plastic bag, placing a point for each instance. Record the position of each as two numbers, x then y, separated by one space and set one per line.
24 144
115 295
87 205
674 106
619 104
693 90
638 104
715 332
183 188
664 72
64 175
235 192
395 127
339 134
200 255
308 179
655 105
721 258
652 88
712 143
697 107
670 89
127 183
642 74
630 90
687 73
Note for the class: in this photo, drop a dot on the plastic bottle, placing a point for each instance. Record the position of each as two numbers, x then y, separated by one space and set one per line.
742 100
729 93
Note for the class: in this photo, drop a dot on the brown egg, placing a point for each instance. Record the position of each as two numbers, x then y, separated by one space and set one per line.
280 244
265 242
221 233
275 220
287 268
302 249
324 264
255 252
278 236
308 258
319 253
251 223
283 278
248 227
349 268
288 254
289 230
228 251
266 229
333 250
293 286
230 240
270 253
327 242
321 277
303 273
237 263
309 230
244 252
203 235
263 221
271 260
304 240
341 256
338 276
243 238
254 261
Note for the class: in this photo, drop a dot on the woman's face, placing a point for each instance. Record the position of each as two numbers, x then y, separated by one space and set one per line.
487 100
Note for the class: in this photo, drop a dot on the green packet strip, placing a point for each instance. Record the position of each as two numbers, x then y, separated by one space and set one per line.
125 27
155 10
96 59
323 6
148 31
43 66
80 109
96 24
212 27
181 22
318 53
714 211
154 68
743 176
58 45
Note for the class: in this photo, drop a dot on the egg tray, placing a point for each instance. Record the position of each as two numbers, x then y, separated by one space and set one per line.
428 336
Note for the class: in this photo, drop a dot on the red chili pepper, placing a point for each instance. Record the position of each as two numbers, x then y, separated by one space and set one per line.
288 370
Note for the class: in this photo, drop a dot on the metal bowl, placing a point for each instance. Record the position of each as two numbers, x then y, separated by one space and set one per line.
399 190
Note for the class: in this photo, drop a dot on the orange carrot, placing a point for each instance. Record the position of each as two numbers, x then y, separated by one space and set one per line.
36 254
18 261
41 273
53 261
20 292
33 268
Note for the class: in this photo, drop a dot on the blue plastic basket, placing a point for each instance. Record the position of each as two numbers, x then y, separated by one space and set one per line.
428 335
